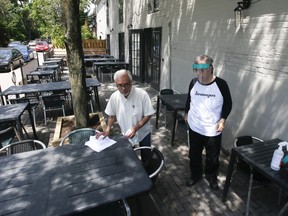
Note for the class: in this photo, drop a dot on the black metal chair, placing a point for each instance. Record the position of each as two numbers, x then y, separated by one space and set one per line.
7 133
23 146
153 166
163 106
106 70
33 105
78 136
52 103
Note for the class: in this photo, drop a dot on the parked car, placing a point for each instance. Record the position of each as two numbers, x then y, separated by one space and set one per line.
10 58
42 46
14 43
27 53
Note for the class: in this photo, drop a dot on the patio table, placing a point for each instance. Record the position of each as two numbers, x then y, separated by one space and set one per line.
51 86
70 179
99 59
258 156
13 113
175 102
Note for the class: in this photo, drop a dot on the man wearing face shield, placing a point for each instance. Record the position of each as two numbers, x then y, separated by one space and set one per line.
207 107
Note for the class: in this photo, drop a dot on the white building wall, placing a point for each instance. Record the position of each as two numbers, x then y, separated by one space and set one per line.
101 11
251 58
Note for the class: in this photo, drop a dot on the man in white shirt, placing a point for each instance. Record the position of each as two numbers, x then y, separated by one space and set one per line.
131 107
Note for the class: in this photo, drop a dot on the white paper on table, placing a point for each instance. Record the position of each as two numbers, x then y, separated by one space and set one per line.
99 144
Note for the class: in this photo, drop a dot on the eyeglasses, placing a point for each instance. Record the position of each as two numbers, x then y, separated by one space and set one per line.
125 85
200 70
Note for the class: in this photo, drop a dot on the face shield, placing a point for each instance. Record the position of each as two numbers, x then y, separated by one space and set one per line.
203 72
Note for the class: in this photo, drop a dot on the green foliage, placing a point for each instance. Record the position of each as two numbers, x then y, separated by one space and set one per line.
26 20
85 33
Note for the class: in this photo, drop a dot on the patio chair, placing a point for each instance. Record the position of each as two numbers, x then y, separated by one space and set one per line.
78 136
52 103
180 122
106 70
7 134
256 177
23 146
163 106
33 105
153 166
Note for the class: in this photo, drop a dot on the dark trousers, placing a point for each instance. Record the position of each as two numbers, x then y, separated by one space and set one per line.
145 154
212 146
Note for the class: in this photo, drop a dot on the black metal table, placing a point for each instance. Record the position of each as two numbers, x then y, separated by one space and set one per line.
98 56
51 86
175 102
258 156
69 179
99 59
13 113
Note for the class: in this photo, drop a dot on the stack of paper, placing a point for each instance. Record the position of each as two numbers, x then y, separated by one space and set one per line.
99 144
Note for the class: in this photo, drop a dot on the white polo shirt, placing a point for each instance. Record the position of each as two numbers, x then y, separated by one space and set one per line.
129 111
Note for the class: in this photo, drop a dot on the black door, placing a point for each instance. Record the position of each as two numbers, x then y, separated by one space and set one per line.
136 54
121 47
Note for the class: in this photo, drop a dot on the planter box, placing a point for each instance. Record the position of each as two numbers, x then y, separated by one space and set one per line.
65 124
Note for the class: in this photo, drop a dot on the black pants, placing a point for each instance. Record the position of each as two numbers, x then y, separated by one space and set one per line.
145 154
212 146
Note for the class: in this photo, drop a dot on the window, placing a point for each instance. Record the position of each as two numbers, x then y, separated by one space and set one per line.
120 6
153 6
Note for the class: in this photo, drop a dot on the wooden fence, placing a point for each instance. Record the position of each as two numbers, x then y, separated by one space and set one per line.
90 46
93 46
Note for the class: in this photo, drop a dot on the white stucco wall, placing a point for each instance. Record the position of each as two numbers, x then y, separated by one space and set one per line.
251 58
101 19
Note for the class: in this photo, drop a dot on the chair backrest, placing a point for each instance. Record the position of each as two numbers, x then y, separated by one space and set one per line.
52 101
245 140
19 100
166 92
23 146
154 163
78 136
7 134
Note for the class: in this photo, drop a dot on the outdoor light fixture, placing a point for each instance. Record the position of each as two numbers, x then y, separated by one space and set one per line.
238 11
129 26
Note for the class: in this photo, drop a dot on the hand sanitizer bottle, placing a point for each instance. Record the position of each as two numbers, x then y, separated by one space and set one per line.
277 156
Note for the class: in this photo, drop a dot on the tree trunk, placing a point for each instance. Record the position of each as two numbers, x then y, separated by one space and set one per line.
75 60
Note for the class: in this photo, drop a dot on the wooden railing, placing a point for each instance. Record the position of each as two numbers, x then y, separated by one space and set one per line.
90 46
93 46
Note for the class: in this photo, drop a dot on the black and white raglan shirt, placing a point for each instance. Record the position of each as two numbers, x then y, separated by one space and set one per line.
207 104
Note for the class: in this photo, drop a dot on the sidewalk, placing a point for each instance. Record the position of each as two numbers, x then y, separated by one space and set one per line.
170 192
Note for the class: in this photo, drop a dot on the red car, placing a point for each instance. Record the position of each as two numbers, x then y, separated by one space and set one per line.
42 46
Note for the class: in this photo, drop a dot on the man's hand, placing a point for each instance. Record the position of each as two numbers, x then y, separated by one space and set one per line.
104 134
130 133
220 125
